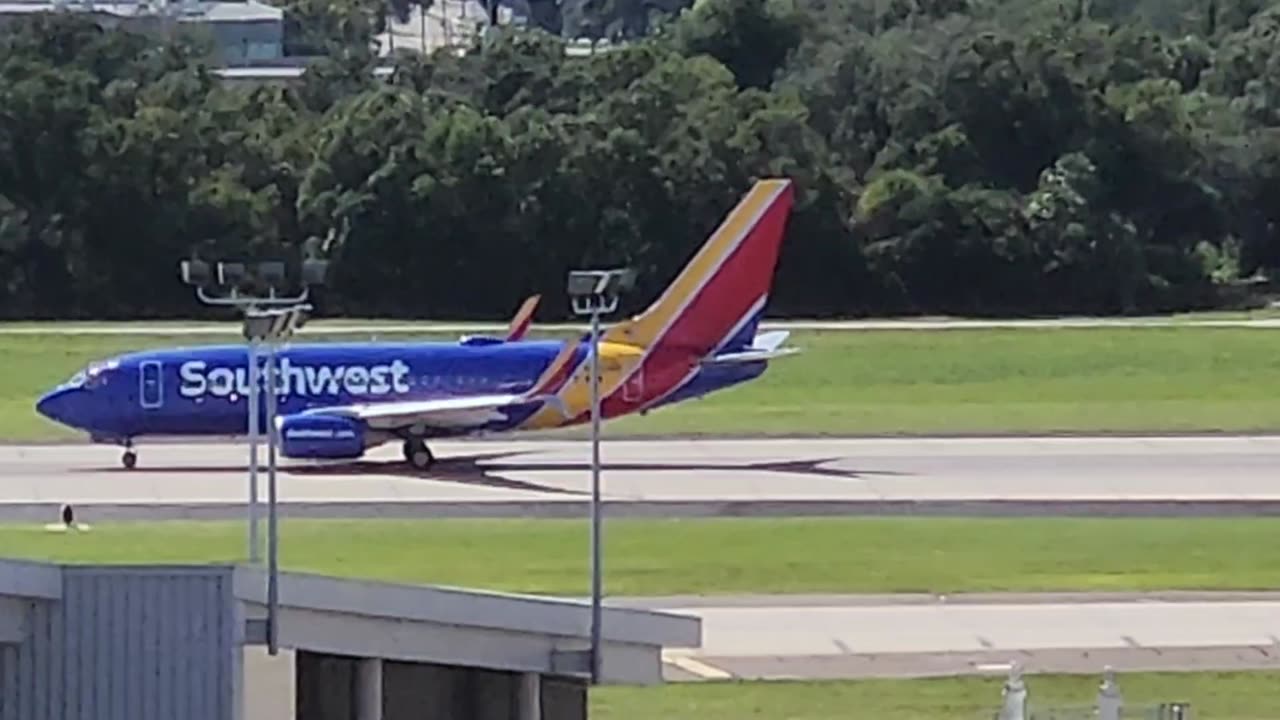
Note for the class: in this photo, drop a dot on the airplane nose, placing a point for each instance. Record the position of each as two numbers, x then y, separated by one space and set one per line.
58 406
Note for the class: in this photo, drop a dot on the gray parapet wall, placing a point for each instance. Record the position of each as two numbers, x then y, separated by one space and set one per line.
141 642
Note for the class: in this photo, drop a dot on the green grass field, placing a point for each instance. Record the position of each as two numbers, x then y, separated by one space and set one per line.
874 382
655 557
660 557
1213 696
1161 379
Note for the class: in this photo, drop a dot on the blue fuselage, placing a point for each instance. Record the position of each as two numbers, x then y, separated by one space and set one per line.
204 391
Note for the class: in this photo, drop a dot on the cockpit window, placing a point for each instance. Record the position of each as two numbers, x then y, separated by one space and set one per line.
94 375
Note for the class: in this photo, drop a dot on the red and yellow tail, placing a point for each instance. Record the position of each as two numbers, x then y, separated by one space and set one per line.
713 305
724 287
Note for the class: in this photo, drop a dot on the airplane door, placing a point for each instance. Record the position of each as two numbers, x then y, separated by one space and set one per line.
634 389
151 392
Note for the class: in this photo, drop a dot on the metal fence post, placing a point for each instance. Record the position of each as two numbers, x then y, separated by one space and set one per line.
1015 695
1110 702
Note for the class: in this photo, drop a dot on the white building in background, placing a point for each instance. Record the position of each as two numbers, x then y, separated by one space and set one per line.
242 31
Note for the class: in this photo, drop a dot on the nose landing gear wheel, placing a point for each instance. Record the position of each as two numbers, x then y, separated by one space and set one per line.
129 459
418 454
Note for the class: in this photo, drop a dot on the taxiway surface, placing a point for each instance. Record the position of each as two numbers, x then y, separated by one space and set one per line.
1004 476
849 637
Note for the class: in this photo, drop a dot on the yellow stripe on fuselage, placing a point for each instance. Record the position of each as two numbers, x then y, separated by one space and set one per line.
616 362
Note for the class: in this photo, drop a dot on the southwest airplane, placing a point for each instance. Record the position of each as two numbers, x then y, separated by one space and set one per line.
335 401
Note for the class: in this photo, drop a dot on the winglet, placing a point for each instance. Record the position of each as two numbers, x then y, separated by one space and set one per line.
523 319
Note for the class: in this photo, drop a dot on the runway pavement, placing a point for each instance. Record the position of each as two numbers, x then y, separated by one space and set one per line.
777 637
1008 476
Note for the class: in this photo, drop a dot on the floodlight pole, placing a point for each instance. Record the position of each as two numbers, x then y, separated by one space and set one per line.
247 305
263 329
596 582
255 405
602 299
272 327
273 537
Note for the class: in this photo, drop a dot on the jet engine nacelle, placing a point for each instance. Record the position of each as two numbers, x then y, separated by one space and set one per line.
327 437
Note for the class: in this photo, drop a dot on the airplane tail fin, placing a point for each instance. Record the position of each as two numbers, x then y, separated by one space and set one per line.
716 302
523 319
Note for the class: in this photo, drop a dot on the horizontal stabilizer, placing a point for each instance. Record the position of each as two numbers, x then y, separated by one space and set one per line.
745 356
765 346
771 340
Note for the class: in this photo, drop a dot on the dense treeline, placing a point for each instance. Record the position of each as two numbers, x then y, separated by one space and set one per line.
961 156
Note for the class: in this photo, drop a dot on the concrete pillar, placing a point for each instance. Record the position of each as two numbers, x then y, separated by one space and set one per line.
529 697
369 689
270 684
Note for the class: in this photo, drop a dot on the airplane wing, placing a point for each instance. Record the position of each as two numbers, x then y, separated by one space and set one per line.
765 346
459 412
523 318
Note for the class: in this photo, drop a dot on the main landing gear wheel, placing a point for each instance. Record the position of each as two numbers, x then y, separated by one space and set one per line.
418 454
129 459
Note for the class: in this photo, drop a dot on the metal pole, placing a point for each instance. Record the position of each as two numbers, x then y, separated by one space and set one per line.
595 496
273 545
255 380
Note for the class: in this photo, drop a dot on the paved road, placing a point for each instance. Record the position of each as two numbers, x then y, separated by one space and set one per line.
350 327
834 637
853 636
992 476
